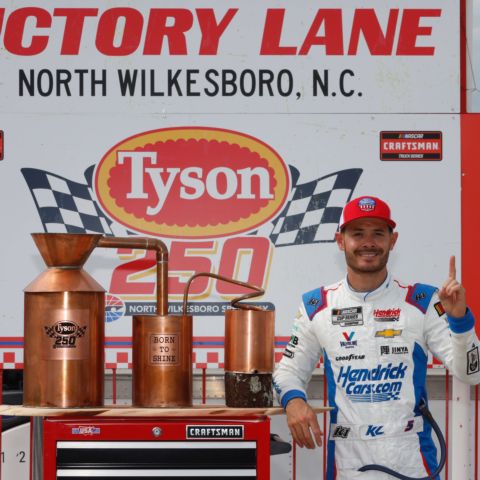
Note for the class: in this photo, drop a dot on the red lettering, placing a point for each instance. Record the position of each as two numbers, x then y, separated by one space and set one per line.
119 31
211 30
366 22
2 14
186 259
74 21
107 27
410 29
272 32
125 277
333 38
253 252
15 29
157 29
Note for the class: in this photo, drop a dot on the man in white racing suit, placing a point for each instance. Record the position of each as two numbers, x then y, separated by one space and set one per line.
374 333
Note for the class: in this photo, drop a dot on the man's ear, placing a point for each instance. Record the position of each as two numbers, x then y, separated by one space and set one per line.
340 240
394 240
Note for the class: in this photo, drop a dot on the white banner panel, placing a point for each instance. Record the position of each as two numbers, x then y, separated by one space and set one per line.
316 162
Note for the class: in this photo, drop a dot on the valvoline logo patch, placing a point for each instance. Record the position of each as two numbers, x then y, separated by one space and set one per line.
348 336
192 182
349 342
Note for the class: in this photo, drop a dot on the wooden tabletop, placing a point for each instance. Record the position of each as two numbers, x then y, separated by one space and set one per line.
127 411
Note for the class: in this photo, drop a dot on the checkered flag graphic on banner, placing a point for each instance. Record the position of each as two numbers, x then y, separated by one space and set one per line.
314 208
311 215
68 207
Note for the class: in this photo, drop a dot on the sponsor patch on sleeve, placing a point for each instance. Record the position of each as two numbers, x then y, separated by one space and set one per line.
288 353
473 363
439 309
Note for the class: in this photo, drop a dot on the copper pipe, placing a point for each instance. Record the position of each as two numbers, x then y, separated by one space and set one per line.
161 250
234 303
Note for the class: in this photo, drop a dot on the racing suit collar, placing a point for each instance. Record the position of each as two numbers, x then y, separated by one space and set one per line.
365 296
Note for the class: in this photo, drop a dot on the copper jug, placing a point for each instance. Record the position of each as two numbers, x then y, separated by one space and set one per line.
64 326
162 361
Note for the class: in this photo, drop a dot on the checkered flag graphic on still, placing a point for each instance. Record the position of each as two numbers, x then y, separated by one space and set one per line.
314 208
65 206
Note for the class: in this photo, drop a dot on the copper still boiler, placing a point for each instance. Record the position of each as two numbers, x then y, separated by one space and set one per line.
249 349
64 326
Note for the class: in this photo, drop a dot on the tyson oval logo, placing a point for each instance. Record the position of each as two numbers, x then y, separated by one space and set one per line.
192 182
65 328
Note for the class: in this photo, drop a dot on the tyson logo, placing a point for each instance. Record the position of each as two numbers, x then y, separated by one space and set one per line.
65 328
192 182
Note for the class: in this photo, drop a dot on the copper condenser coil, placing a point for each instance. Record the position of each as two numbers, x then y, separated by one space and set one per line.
249 349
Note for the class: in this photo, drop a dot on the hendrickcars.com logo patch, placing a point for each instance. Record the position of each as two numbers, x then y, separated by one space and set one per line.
410 146
192 182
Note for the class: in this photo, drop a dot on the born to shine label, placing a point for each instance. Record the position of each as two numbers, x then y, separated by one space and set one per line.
164 348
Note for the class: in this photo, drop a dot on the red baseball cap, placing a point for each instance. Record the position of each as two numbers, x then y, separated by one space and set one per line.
366 207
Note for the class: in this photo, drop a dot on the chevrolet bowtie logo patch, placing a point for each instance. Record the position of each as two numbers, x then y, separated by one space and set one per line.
388 333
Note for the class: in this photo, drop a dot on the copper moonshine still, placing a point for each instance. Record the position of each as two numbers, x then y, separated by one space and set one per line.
249 349
64 331
64 335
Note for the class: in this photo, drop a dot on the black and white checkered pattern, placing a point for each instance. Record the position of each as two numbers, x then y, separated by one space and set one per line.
65 206
314 208
311 215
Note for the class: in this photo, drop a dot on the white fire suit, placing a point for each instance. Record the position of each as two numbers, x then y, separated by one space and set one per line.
375 351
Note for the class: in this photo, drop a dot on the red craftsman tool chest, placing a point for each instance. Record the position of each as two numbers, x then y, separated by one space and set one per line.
156 448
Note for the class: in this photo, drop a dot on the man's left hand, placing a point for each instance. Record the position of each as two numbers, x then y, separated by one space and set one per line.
452 294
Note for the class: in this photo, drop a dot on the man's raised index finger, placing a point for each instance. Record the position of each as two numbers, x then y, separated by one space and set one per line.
452 270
